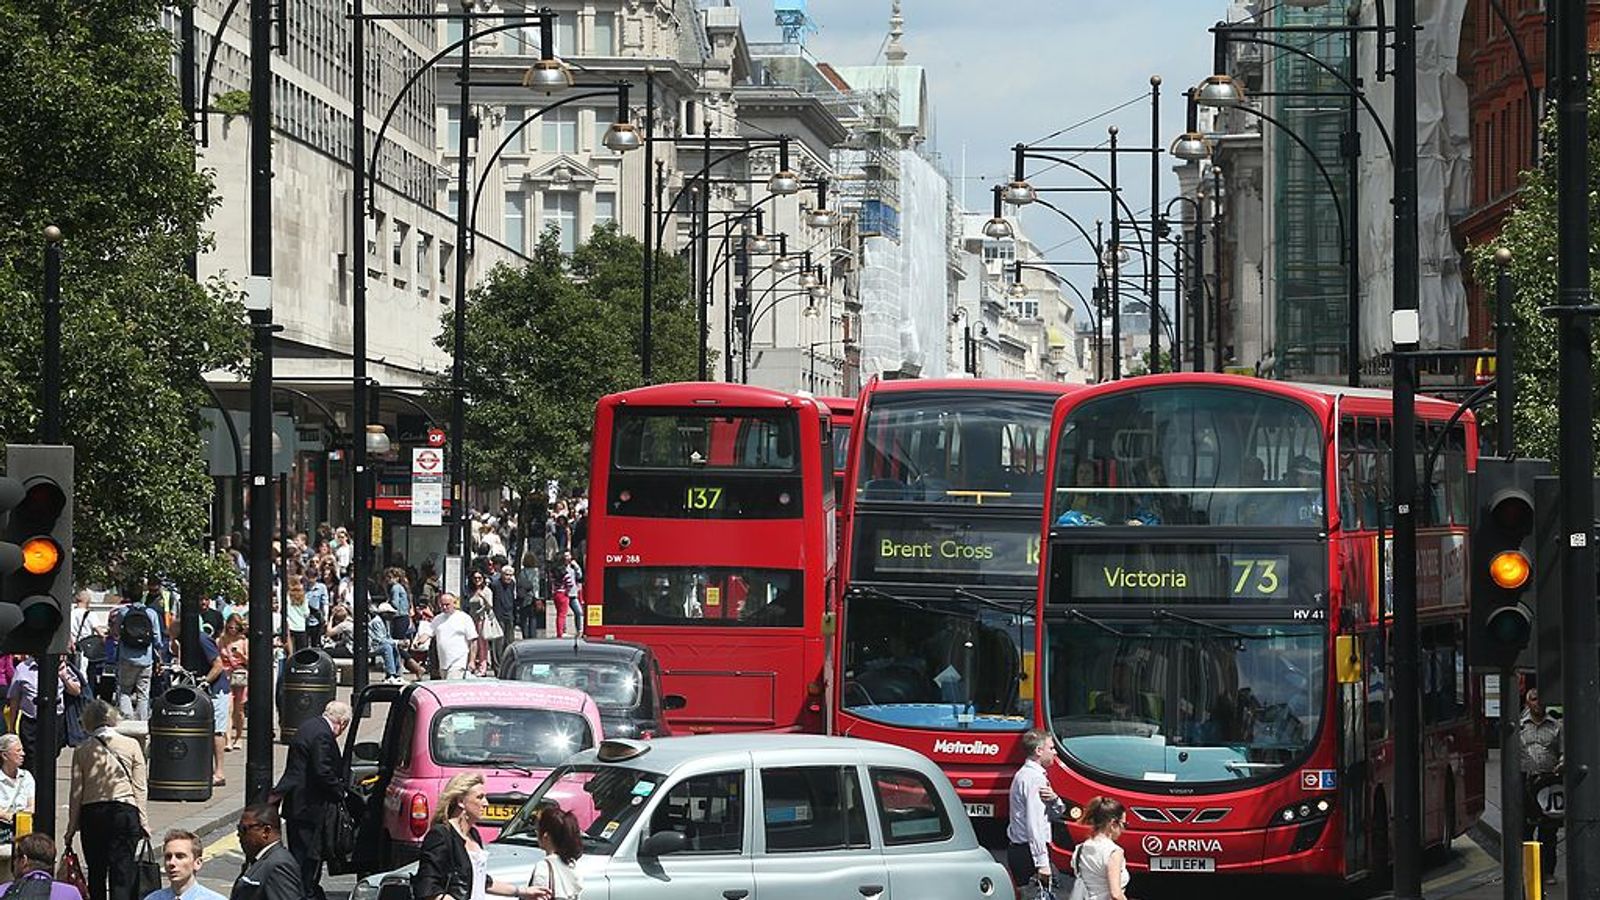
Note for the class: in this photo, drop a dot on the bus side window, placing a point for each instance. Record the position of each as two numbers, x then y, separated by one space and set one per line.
1350 487
1377 687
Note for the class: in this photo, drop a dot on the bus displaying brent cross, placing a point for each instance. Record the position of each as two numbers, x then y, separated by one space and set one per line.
935 639
711 539
1213 609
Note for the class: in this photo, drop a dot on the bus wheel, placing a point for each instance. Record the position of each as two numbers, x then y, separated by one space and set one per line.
1442 852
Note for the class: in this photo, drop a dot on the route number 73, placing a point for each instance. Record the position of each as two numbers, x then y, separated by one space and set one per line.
1257 576
703 498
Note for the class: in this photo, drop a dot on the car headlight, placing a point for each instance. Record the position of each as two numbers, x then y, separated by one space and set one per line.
365 890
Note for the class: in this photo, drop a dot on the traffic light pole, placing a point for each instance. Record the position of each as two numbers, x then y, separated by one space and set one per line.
1579 627
258 750
1406 803
47 740
1512 813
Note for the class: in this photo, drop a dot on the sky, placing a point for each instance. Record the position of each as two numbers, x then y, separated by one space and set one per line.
1008 71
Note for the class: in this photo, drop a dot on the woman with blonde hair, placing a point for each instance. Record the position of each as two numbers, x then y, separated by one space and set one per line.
1098 863
453 864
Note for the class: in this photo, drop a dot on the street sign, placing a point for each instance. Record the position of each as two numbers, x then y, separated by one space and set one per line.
1552 800
427 486
435 437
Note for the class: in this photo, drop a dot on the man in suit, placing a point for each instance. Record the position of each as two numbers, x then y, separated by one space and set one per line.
312 781
270 870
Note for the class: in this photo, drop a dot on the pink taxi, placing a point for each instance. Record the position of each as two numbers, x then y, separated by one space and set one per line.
408 740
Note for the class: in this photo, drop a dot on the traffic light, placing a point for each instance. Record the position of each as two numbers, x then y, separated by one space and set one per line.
1503 558
36 550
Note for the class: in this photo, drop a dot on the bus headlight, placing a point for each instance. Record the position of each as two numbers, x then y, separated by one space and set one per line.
1308 810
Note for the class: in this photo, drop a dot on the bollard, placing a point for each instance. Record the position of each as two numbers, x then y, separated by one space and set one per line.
1532 871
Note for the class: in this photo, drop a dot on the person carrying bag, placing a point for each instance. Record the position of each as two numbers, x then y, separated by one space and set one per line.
107 800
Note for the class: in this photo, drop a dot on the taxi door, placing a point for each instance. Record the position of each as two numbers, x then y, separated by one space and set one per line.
696 845
812 839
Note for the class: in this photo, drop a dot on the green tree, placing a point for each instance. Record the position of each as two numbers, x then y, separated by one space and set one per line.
94 141
1530 234
1142 365
545 341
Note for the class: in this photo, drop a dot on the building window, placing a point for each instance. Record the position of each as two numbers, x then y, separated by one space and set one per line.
513 118
452 128
559 132
605 208
566 32
452 203
397 251
605 34
452 31
561 211
999 251
516 214
1026 309
446 257
424 247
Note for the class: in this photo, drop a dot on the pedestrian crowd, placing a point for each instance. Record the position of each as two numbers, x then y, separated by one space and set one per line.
121 659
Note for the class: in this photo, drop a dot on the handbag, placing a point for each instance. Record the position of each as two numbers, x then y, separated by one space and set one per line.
491 628
70 871
1079 891
149 868
238 677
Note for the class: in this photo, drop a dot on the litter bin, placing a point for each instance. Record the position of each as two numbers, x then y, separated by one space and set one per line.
308 684
180 746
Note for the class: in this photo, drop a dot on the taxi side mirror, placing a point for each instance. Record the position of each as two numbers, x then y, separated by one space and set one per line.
663 843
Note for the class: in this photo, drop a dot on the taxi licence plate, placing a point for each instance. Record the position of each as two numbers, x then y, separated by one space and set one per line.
1182 864
498 812
980 810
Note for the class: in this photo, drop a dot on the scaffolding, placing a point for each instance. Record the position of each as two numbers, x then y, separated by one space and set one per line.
1312 312
868 165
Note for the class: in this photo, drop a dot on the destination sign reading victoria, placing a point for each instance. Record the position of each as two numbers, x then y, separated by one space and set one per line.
1179 575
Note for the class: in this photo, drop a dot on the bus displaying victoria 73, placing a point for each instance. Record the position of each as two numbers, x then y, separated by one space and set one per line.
1213 610
711 539
935 638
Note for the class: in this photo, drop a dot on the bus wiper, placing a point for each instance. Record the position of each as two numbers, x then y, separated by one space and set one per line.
1201 623
867 591
1015 607
1080 615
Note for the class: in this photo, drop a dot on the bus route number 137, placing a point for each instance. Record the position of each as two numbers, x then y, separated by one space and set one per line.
702 498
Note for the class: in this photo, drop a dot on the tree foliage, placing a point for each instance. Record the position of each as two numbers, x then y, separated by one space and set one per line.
94 141
1530 234
546 340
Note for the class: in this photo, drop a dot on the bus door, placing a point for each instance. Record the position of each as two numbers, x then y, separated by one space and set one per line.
1354 775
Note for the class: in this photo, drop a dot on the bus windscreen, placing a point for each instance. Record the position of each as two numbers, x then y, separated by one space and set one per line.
1190 456
967 447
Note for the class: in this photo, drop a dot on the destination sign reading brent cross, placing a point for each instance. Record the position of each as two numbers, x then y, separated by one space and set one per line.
967 549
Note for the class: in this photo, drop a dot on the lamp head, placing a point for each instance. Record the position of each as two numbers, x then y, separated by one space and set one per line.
378 440
1016 291
1220 92
759 244
622 137
821 217
1191 146
998 229
548 76
819 292
808 279
783 265
1018 193
784 183
812 311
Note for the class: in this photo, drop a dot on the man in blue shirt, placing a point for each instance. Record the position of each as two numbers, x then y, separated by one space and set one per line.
137 645
182 859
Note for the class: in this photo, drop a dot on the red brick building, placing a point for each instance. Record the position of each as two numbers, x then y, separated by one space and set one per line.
1503 121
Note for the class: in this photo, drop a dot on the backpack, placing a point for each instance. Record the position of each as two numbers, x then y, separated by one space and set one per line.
135 631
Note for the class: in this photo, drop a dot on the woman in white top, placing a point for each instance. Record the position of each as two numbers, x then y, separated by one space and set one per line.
1098 864
562 843
16 784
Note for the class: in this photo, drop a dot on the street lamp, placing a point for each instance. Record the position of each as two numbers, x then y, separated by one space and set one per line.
1220 92
821 216
377 440
623 135
1017 291
784 182
997 228
547 76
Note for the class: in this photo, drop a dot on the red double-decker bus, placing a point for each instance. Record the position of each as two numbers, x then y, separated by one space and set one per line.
935 638
1214 606
711 539
843 412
